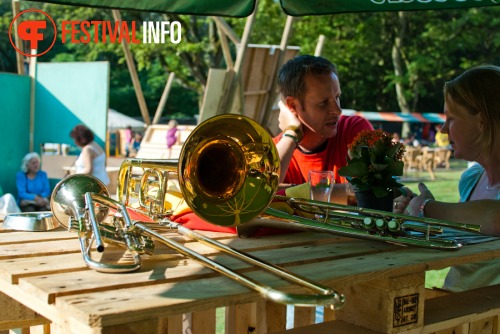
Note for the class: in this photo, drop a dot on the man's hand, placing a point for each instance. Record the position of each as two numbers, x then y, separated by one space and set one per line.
287 117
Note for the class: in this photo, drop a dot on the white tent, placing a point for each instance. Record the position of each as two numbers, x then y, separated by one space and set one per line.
117 121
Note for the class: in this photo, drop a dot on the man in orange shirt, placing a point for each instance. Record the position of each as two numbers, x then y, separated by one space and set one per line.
315 133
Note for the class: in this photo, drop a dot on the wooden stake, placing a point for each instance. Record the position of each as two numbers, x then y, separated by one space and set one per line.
133 74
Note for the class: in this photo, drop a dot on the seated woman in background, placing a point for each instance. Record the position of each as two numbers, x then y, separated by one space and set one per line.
92 159
473 126
33 189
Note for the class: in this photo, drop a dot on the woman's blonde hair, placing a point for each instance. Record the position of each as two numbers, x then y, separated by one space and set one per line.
26 160
477 90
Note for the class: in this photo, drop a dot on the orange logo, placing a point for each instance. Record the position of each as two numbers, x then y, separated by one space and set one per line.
32 31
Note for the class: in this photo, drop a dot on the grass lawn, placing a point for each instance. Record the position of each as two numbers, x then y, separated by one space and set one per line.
444 187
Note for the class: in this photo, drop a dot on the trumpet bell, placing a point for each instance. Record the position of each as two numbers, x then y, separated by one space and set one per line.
68 198
229 170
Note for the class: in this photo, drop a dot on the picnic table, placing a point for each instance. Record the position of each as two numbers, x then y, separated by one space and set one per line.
44 282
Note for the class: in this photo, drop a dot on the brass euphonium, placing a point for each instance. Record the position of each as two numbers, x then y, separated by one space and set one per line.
228 173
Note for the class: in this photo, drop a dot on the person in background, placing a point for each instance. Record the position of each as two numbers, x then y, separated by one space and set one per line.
171 136
396 138
441 138
315 134
92 159
135 144
129 137
33 188
473 126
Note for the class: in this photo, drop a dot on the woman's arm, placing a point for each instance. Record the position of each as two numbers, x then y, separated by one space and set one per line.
481 212
87 157
21 184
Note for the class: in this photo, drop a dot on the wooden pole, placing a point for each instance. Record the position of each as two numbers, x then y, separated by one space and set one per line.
224 44
271 96
16 8
235 95
222 24
32 74
319 46
133 74
164 97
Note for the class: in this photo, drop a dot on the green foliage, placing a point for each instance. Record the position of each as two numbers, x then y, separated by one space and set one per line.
433 46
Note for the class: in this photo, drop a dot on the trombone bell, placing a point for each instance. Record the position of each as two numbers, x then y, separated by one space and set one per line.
228 170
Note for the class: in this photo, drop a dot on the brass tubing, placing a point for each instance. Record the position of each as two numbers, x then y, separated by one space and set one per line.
301 204
326 296
354 232
95 226
135 234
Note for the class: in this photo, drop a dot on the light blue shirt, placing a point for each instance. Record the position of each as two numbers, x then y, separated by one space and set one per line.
472 275
28 188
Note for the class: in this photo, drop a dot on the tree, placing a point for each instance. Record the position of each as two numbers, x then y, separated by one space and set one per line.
387 61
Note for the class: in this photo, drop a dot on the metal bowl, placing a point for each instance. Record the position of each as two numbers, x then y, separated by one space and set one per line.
30 221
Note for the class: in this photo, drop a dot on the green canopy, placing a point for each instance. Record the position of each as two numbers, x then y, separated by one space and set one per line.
322 7
242 8
233 8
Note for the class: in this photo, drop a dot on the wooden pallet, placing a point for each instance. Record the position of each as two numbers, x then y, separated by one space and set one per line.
45 273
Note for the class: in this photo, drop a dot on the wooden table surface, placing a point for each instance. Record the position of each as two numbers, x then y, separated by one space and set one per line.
45 272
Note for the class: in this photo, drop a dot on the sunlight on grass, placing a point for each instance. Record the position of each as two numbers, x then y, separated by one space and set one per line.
444 187
435 278
220 320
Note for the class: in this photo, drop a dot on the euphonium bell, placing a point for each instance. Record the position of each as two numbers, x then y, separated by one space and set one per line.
81 202
67 201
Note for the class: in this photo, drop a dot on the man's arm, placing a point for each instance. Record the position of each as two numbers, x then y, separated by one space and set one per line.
290 140
286 146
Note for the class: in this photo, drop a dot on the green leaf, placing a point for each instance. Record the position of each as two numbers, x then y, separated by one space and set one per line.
393 150
395 168
379 191
379 151
356 168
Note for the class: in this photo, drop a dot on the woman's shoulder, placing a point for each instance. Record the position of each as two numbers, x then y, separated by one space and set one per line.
468 180
94 148
473 171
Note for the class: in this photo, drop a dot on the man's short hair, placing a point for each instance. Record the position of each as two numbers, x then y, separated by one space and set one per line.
292 74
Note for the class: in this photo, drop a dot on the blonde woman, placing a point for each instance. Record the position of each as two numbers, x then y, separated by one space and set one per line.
473 126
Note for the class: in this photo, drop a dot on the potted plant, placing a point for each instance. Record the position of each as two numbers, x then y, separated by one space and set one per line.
372 164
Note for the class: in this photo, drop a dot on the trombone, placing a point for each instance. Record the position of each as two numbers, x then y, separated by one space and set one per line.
228 172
